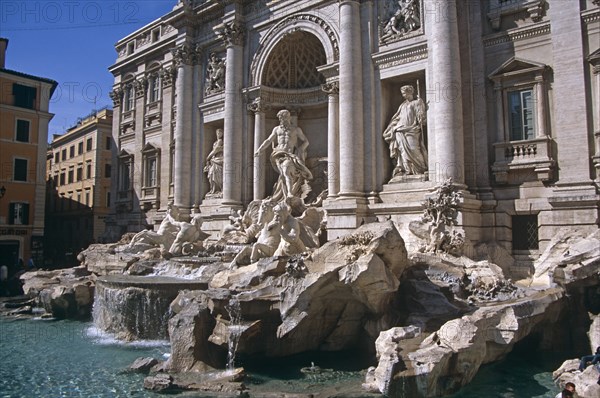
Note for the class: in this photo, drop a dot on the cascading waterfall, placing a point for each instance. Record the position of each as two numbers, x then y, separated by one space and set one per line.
137 307
132 313
234 310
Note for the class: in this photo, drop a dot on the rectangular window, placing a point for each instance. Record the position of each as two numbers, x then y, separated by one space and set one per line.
70 179
78 199
107 170
56 157
18 214
155 35
154 91
88 170
521 108
525 232
80 148
125 176
128 98
151 172
72 151
64 154
108 199
108 143
87 197
20 170
22 130
62 178
130 48
88 145
79 173
24 96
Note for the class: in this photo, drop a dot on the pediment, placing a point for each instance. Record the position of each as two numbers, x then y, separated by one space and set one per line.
515 66
124 154
594 58
149 148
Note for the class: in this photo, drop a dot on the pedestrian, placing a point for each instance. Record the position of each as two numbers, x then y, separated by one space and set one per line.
568 392
594 359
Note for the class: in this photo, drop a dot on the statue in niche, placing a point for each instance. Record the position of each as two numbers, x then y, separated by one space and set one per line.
406 19
288 157
215 75
214 167
404 135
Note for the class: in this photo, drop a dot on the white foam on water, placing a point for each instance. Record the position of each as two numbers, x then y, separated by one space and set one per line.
101 337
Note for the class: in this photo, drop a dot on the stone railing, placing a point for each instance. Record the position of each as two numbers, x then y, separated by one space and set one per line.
533 154
150 192
124 196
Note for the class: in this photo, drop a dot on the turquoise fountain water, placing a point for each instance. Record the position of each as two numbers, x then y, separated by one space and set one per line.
73 359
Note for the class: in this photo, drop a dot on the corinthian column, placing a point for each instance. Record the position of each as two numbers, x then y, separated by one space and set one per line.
259 173
446 85
233 35
351 103
184 57
333 139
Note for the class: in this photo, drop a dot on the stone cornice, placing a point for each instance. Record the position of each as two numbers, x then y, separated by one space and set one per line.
400 57
591 16
518 34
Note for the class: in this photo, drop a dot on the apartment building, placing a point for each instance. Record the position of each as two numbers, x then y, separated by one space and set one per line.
79 195
24 119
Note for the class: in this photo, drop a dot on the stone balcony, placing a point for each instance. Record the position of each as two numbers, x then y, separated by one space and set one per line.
534 155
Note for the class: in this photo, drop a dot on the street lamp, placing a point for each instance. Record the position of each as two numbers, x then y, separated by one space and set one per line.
2 191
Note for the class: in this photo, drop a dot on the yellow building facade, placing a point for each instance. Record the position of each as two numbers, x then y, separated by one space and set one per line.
78 168
24 119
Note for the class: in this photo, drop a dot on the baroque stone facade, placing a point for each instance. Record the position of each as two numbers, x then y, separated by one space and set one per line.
505 109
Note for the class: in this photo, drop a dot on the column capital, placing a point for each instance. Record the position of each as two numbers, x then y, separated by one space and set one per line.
596 69
232 33
257 106
331 88
187 54
116 95
140 86
167 76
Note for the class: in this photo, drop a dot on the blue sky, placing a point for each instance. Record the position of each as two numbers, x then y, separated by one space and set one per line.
72 42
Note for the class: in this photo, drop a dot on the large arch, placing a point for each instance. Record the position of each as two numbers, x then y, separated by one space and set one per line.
300 22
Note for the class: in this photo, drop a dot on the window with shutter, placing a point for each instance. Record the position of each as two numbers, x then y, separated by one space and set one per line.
20 170
22 130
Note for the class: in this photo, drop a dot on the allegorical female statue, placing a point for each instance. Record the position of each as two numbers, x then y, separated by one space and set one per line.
214 167
404 135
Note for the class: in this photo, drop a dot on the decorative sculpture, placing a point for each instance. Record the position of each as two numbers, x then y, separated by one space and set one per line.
163 237
289 154
185 240
175 238
268 232
214 167
441 211
289 229
407 18
215 75
404 134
